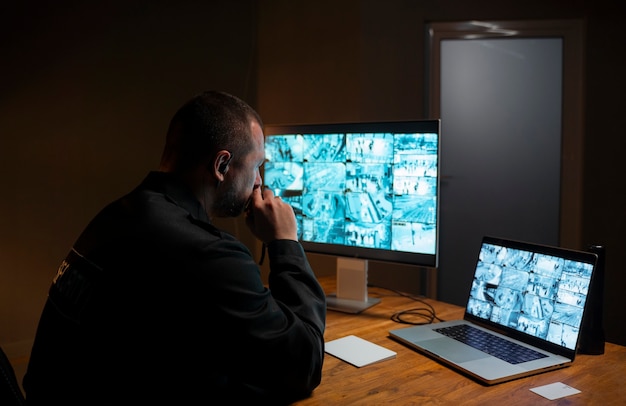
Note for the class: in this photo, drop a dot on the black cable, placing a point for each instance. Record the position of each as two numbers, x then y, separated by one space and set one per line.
424 315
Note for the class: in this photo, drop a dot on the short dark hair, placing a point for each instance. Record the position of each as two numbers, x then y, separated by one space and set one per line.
209 122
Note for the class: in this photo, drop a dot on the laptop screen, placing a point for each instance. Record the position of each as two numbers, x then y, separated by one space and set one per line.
537 290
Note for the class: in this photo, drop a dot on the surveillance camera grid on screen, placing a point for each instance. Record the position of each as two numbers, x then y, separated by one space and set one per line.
371 190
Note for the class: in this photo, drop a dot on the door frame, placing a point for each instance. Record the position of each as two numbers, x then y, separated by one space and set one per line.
571 31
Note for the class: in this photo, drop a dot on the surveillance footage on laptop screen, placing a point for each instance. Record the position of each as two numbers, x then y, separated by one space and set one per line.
368 190
536 293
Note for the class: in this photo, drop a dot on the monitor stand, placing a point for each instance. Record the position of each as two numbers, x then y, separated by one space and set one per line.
351 295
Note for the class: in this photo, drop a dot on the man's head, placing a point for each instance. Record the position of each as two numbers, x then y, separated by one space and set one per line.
215 143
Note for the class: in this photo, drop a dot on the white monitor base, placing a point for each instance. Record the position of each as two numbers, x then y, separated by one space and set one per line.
349 305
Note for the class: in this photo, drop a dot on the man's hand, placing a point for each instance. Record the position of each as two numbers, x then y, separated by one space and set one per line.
270 218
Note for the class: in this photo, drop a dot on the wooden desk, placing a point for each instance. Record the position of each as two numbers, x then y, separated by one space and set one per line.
413 378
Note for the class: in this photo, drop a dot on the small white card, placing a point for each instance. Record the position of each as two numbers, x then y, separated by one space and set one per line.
555 390
357 351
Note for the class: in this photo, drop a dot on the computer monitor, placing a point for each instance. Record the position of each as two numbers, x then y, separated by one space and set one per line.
367 191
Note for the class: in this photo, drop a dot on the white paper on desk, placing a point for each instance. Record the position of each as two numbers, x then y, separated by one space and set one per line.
555 390
357 351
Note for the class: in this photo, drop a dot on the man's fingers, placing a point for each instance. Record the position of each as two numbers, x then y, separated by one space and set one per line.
268 193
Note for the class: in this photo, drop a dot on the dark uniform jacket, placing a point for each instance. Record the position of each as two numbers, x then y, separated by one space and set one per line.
154 303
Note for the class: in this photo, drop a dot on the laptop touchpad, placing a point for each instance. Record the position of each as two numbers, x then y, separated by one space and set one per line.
454 350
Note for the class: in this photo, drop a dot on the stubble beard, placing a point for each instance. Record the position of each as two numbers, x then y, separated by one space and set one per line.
230 203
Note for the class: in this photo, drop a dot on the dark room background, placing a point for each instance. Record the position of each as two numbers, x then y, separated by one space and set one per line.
88 89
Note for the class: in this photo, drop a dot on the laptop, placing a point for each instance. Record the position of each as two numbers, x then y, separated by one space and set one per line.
523 314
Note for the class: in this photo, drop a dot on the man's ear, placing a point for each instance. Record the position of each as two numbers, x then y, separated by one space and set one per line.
222 161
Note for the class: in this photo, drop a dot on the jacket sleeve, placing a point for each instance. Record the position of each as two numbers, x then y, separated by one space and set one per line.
297 291
278 329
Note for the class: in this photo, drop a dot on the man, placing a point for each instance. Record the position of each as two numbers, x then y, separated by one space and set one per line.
155 304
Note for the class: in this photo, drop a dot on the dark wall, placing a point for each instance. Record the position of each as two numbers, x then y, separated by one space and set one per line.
604 218
365 60
88 89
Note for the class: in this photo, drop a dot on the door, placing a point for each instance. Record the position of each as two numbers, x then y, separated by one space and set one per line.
509 98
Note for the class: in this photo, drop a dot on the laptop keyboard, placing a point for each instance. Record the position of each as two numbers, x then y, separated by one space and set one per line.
493 345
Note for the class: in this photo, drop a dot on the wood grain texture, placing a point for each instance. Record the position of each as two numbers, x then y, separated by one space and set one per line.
414 379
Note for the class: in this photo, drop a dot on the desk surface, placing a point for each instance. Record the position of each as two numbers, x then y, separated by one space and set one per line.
413 378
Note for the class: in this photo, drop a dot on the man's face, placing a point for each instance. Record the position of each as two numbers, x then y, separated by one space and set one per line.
244 175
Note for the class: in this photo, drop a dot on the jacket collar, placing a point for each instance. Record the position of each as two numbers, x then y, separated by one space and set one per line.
177 192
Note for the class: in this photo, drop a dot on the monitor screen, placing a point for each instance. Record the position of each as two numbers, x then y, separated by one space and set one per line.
362 190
